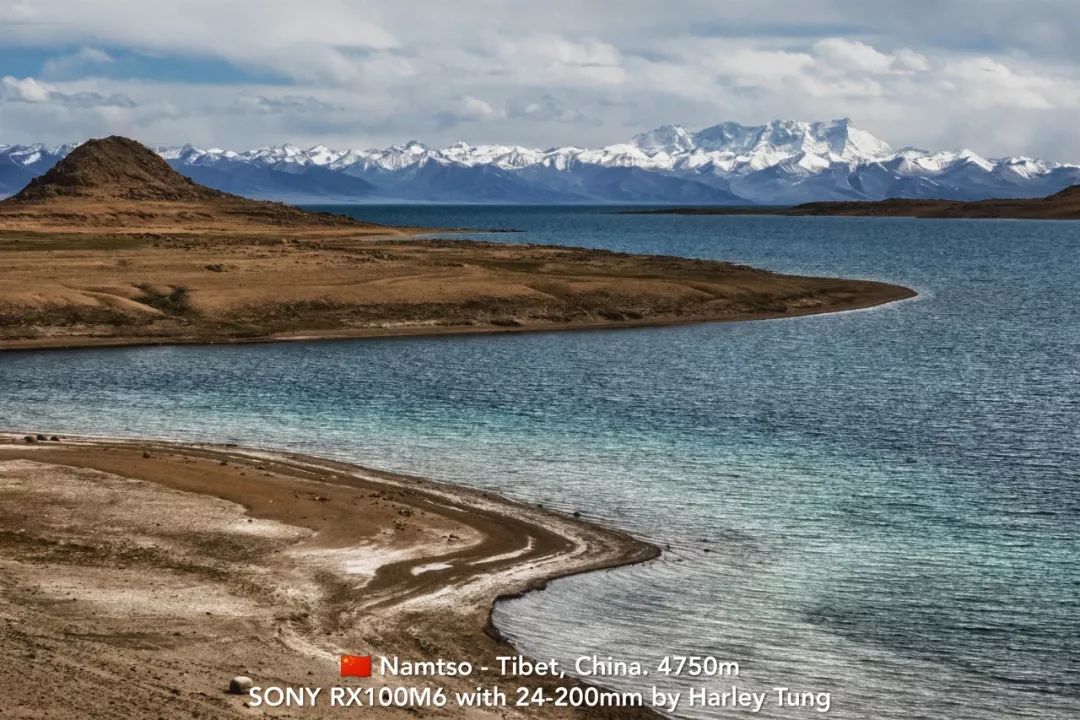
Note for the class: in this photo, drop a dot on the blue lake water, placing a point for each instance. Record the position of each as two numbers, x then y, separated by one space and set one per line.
881 504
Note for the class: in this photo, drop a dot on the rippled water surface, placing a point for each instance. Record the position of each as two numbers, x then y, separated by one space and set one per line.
880 504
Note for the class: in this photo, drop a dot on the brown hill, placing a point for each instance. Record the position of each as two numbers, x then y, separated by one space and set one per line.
1064 205
117 185
115 168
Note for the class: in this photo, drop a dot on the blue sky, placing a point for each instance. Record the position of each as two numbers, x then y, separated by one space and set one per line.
998 76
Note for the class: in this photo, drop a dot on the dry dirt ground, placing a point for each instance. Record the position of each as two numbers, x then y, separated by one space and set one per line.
137 578
70 289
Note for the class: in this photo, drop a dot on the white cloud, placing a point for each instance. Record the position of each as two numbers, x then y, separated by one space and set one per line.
475 108
542 59
749 66
542 109
378 72
284 104
467 109
308 44
29 90
852 56
72 63
26 90
847 57
985 83
906 60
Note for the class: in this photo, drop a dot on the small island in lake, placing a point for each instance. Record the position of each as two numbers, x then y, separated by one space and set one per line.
1064 205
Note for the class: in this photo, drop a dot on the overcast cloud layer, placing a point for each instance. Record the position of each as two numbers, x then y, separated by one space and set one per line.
998 76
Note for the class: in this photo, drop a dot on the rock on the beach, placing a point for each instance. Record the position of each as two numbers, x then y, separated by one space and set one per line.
240 684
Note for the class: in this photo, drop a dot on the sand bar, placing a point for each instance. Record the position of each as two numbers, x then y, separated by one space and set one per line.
137 577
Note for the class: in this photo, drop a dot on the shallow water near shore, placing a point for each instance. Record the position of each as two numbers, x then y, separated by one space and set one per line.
880 504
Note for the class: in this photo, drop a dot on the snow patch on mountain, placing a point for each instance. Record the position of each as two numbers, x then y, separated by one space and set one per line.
783 161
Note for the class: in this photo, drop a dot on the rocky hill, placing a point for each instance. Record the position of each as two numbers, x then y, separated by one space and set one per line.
114 168
119 184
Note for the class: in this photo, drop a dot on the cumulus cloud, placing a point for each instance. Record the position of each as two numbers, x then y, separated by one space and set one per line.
985 83
543 109
749 66
70 64
845 56
26 90
309 45
543 59
852 55
284 104
830 67
465 109
475 108
29 90
906 60
997 77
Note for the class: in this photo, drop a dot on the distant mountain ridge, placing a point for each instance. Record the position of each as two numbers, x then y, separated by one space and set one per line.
781 162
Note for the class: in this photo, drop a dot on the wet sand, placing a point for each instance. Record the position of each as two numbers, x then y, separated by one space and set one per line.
137 577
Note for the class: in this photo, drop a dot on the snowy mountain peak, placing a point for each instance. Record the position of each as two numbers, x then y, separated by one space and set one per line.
187 151
322 155
670 139
782 161
728 137
765 145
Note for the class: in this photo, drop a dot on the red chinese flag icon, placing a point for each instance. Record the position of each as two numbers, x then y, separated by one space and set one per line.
355 666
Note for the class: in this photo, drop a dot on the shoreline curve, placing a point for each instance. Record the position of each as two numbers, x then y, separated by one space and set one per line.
438 581
889 294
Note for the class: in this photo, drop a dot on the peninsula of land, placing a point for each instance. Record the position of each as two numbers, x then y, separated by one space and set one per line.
137 578
113 247
1064 205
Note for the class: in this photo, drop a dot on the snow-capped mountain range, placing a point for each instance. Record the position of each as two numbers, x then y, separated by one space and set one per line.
782 162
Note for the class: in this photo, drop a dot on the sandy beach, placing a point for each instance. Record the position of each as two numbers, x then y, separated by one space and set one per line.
137 578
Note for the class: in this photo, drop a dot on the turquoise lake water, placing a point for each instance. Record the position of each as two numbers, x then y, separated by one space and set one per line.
882 504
